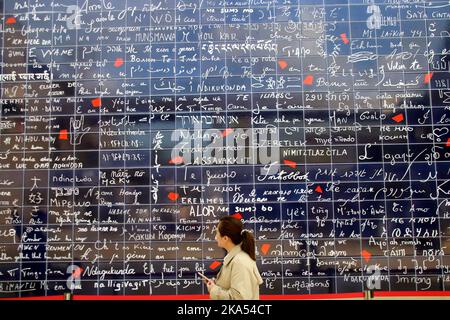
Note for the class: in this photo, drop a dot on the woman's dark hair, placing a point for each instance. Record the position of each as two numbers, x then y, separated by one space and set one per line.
232 228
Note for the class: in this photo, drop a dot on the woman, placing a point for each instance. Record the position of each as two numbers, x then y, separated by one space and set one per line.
239 278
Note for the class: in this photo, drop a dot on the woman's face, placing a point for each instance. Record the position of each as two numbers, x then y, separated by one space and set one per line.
220 240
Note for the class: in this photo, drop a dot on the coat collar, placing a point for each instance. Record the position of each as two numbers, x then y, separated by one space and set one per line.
233 252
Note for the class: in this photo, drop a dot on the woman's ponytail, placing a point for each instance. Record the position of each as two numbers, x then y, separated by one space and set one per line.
248 244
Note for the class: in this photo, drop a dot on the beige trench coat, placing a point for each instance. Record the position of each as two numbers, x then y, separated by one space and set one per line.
238 279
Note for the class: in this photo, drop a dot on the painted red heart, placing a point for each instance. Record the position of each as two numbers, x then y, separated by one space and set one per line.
176 160
173 196
290 163
308 80
265 248
283 64
63 134
118 63
77 273
237 215
366 255
97 103
215 264
428 77
11 20
398 118
226 132
344 38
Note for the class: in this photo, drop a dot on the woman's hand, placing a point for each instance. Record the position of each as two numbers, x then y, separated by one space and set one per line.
210 283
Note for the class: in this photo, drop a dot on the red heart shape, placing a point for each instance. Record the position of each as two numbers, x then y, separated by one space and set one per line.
428 77
215 264
290 163
308 80
97 103
265 248
398 118
237 215
63 134
11 20
283 64
173 196
366 255
226 132
176 160
118 63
